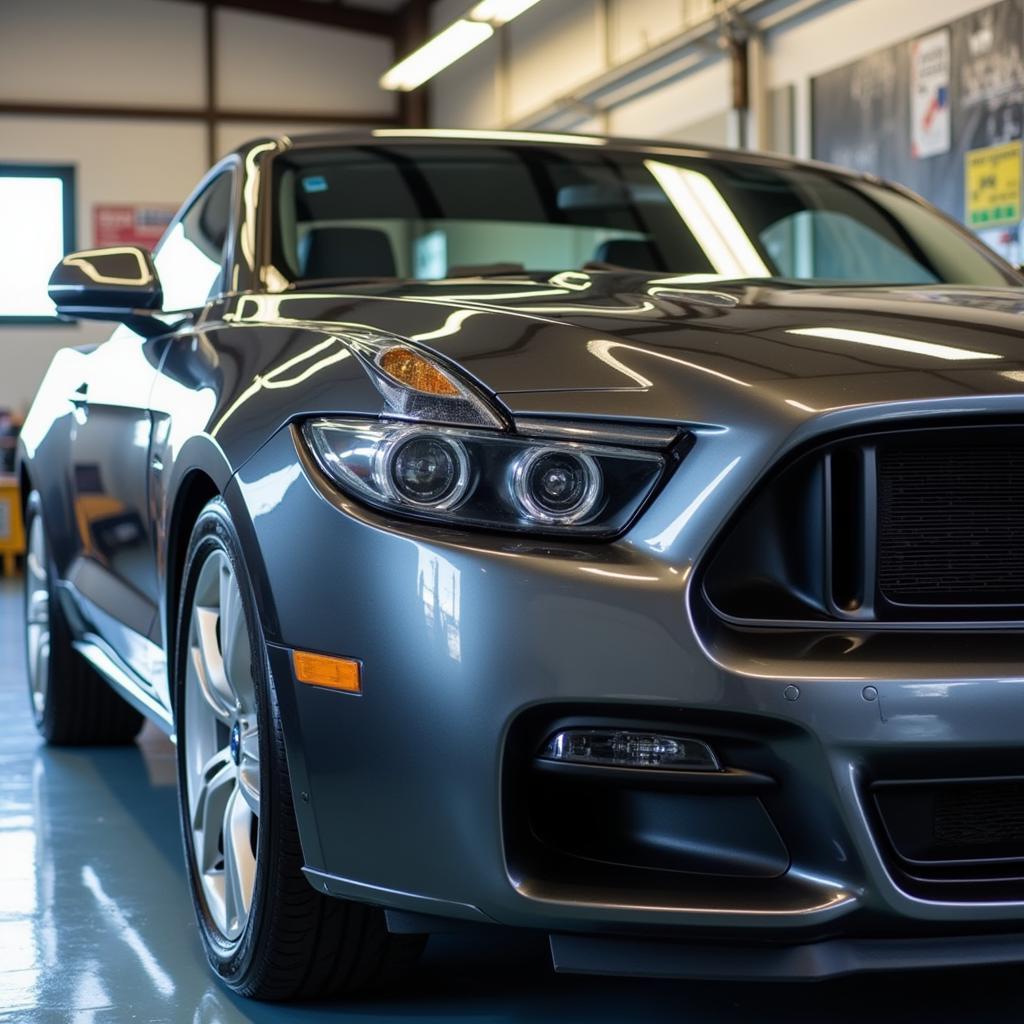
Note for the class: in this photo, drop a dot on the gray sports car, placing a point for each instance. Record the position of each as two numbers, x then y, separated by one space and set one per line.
617 540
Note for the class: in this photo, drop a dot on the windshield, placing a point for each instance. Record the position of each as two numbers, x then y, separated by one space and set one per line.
430 210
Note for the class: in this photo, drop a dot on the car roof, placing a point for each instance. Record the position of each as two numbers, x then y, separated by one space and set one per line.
553 139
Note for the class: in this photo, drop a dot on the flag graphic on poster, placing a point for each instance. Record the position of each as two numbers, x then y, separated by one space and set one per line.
929 95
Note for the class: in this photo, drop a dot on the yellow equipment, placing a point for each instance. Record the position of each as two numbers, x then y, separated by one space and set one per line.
12 529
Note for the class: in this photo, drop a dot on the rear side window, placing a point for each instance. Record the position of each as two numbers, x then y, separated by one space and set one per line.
190 259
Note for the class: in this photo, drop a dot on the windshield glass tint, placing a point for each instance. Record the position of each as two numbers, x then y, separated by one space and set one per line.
429 211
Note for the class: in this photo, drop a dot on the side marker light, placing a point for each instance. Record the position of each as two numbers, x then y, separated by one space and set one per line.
321 670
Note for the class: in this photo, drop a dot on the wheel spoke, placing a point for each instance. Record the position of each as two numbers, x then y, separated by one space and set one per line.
249 769
239 861
234 642
40 673
37 612
211 799
209 665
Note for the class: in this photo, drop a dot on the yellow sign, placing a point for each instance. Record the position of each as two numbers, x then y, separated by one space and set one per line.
992 179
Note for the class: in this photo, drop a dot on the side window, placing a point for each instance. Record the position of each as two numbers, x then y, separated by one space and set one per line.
191 255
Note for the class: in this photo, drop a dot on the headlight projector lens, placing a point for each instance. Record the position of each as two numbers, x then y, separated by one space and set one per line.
552 485
429 471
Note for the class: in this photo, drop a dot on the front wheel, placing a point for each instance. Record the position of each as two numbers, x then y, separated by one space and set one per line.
266 931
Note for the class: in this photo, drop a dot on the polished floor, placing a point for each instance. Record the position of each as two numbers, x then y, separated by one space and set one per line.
96 926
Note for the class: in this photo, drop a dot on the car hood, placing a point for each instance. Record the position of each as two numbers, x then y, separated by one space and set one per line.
656 347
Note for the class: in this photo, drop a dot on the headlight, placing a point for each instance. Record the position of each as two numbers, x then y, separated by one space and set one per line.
552 485
486 478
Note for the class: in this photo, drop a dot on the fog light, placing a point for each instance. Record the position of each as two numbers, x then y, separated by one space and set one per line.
623 749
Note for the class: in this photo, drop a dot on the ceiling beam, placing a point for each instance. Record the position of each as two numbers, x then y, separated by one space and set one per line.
155 113
337 15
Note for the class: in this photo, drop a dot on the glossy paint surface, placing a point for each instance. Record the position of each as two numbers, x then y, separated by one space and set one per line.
96 926
461 633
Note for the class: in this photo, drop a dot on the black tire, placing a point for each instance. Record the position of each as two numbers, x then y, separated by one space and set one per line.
297 943
75 706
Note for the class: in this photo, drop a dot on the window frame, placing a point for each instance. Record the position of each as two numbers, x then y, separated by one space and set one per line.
67 174
227 166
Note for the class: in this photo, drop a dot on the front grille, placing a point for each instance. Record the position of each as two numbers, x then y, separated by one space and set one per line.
951 524
918 525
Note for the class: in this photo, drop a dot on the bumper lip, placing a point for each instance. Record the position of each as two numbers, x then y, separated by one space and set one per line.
815 961
822 902
363 892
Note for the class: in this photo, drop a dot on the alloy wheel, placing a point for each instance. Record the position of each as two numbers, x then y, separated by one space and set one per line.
222 751
37 615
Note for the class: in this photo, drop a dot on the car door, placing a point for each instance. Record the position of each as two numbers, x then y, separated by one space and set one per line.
116 572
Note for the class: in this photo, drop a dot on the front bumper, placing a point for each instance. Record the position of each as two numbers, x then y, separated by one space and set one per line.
406 793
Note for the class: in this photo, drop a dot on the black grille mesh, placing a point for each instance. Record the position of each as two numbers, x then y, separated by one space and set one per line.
951 524
979 815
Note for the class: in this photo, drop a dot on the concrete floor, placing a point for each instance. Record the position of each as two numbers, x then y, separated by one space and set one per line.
96 926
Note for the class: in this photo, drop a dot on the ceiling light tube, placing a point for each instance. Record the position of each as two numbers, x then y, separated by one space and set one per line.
452 43
436 54
499 12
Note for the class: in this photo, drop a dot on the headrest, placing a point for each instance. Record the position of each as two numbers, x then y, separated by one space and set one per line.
629 252
347 252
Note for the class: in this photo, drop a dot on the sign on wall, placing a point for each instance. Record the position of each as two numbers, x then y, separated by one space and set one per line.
929 95
873 115
992 179
139 224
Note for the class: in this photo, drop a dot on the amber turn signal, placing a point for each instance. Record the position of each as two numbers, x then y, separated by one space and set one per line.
320 670
412 370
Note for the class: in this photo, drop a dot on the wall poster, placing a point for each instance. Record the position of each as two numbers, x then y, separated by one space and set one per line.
886 114
140 224
929 95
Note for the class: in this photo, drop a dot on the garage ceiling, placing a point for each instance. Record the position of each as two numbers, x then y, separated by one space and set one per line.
377 17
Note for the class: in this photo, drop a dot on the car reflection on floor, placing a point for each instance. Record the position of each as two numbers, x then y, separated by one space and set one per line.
96 925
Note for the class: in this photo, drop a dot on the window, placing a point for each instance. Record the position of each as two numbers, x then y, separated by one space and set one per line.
190 258
431 210
37 222
823 244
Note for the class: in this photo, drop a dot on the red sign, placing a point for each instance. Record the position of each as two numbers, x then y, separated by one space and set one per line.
139 224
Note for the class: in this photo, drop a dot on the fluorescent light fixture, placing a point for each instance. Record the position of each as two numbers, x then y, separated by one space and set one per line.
436 54
498 12
471 133
706 213
452 43
918 348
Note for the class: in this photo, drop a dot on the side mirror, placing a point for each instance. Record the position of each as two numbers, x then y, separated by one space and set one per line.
119 284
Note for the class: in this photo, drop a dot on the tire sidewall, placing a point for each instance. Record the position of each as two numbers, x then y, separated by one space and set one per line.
215 532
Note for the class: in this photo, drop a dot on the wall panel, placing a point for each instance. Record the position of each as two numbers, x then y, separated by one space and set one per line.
280 64
553 47
102 51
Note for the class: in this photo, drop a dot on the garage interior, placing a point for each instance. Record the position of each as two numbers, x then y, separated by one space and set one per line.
122 105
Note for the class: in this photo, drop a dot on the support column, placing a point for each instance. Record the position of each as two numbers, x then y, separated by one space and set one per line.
412 31
210 76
